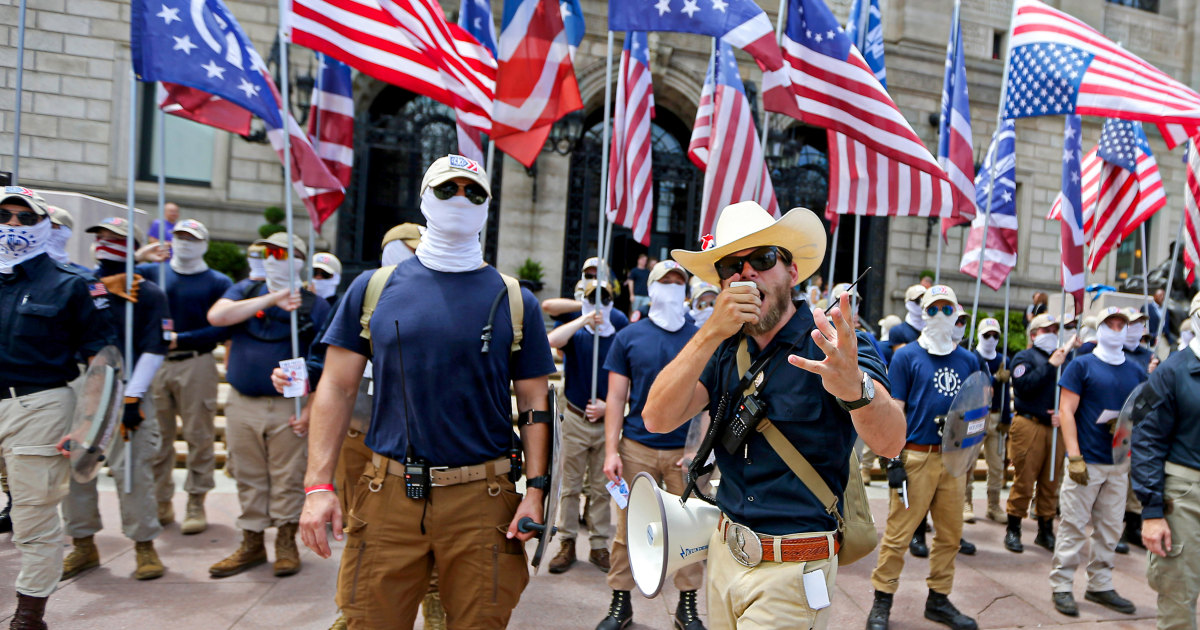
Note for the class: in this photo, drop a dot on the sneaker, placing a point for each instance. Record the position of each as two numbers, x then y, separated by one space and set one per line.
600 559
149 566
620 613
881 611
565 557
938 608
1065 604
1110 599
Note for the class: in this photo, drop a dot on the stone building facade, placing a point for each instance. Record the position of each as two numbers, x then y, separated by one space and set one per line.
76 120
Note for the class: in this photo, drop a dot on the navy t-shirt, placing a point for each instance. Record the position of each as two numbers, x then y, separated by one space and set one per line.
1140 355
454 399
927 384
639 277
640 352
149 313
190 296
1101 387
577 363
260 343
901 334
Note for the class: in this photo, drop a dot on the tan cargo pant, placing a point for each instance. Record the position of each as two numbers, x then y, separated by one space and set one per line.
139 512
30 427
995 462
1029 450
270 460
187 389
637 458
1100 504
583 457
766 597
1177 577
930 490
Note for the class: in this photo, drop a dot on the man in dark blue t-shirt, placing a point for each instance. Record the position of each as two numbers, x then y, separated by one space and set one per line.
265 437
1094 389
907 331
637 286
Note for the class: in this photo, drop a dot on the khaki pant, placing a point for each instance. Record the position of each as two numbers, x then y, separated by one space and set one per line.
139 512
30 427
930 490
1101 504
188 389
768 596
270 460
583 458
995 461
352 460
637 458
393 543
1177 577
1029 450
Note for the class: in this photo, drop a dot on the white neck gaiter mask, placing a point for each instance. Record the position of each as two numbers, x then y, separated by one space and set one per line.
277 272
666 305
326 287
19 243
1087 334
1133 335
451 239
257 270
1194 342
937 336
395 253
987 347
1109 345
187 257
914 316
606 329
701 315
56 247
1046 342
959 333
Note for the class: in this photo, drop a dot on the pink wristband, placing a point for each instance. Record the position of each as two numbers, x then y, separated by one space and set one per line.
324 487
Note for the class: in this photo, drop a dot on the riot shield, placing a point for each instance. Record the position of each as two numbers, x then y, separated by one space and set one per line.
97 414
1122 433
966 424
554 492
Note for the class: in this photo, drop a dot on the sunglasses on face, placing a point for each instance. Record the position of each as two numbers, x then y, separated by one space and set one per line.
27 218
760 259
991 336
605 298
278 253
589 276
946 310
473 192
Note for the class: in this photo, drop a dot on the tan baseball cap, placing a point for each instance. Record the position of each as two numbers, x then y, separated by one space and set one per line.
410 233
59 216
1044 320
193 227
1112 311
835 294
937 293
280 239
327 262
118 226
451 166
1134 314
663 268
25 197
914 293
989 324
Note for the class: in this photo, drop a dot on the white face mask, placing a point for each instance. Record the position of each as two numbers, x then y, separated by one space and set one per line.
19 243
606 329
1133 335
1109 344
187 257
257 270
277 272
914 316
666 305
987 347
56 247
395 253
959 333
326 287
937 337
701 315
451 239
1087 334
1046 342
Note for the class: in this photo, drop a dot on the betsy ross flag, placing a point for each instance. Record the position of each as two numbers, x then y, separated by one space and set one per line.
954 131
630 185
572 17
1121 186
331 121
1060 65
535 81
1071 227
1191 214
725 145
1000 254
202 107
877 164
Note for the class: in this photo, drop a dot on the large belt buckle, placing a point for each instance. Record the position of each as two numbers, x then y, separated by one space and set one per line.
744 545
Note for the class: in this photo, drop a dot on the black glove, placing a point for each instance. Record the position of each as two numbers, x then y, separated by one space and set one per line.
132 417
896 474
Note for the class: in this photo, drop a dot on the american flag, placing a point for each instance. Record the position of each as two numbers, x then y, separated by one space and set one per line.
629 174
954 130
535 85
317 187
1000 255
877 164
1121 185
870 40
331 121
1191 215
724 137
475 17
572 16
1071 227
407 43
1059 65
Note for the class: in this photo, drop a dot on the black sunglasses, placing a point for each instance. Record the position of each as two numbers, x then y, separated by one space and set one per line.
28 219
991 335
605 298
760 259
589 276
474 192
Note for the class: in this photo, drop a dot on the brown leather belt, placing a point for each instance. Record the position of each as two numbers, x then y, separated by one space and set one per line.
446 476
576 410
798 549
923 448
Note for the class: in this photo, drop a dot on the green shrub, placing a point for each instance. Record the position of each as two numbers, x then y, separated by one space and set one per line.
227 258
1017 340
267 229
530 270
274 214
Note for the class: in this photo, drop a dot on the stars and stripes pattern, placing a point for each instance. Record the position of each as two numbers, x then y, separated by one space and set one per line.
1122 188
724 138
878 165
535 84
475 17
572 16
954 131
1071 226
1191 215
630 184
331 120
868 40
1058 65
1000 252
314 184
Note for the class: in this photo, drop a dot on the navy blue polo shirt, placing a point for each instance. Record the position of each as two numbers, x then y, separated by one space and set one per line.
927 384
453 400
190 296
1000 391
759 490
639 352
1140 355
1101 387
260 343
577 364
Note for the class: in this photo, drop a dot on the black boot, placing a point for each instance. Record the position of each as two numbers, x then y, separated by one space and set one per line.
1045 536
620 613
1110 599
1131 536
966 548
29 613
6 516
917 546
1122 547
881 610
938 608
686 616
1012 536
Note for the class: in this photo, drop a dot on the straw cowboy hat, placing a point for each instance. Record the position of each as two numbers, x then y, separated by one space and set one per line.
746 225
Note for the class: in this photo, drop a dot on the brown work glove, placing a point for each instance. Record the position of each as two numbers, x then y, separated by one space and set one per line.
1077 469
116 286
1002 375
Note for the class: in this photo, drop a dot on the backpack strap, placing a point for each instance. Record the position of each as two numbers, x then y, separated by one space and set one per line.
516 306
375 285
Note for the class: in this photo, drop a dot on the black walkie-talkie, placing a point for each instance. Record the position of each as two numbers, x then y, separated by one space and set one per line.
416 469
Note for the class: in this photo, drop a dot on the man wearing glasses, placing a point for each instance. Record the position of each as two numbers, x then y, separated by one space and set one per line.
999 418
51 314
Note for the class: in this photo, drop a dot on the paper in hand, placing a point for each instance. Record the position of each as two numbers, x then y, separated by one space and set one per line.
297 374
619 492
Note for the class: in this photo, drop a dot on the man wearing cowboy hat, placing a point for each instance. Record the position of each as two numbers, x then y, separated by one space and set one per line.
840 389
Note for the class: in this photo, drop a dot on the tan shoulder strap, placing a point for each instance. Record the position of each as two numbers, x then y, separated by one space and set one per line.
375 286
516 306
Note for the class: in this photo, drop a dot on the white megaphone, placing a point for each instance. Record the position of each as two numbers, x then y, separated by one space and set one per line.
664 534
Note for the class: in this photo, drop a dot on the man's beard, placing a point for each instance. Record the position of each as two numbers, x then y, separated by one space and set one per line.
777 303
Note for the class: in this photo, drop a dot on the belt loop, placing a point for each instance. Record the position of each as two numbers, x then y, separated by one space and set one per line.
829 545
777 543
493 485
12 392
381 465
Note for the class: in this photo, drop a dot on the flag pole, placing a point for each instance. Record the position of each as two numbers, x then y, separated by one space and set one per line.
1004 361
602 231
315 139
857 238
1145 271
766 114
1162 321
864 20
491 157
833 253
290 222
16 160
129 255
1062 314
937 267
161 119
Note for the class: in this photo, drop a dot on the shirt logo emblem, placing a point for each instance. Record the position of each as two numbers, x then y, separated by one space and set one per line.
946 381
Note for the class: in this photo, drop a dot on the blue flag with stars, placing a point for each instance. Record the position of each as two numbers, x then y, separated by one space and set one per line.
1044 79
475 16
1120 142
869 40
200 45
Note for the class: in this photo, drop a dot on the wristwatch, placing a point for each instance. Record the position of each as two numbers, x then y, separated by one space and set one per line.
868 394
541 482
